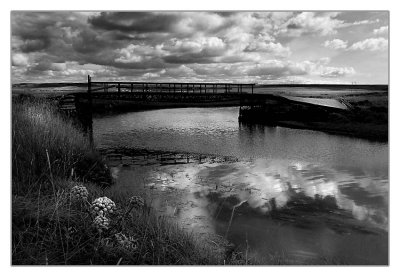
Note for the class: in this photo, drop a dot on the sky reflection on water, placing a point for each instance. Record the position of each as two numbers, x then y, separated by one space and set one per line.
305 197
299 193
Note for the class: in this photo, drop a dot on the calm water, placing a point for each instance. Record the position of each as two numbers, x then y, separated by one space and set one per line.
286 195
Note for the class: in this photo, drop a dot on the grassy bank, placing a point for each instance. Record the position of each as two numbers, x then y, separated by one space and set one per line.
46 148
367 119
50 156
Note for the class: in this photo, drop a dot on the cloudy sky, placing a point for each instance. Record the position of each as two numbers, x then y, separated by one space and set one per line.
261 47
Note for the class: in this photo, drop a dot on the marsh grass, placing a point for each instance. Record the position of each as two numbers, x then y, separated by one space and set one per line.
55 230
49 156
46 146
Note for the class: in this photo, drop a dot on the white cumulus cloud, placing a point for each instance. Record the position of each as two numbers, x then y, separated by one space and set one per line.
370 44
382 30
137 53
19 59
335 44
310 22
334 72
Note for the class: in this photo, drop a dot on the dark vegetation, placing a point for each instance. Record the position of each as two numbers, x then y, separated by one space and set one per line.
50 156
367 118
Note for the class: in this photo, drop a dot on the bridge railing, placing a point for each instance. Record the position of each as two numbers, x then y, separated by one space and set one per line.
169 87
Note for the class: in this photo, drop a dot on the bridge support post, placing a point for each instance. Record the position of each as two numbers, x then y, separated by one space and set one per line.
90 112
89 85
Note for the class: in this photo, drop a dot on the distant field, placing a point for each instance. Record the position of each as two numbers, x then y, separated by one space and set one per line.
48 89
353 93
322 90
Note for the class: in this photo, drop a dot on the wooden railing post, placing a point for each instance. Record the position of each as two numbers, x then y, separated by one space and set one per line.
89 92
90 113
89 86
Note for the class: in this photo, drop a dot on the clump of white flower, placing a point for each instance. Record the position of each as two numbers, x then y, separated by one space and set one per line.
79 192
103 206
136 202
126 242
101 222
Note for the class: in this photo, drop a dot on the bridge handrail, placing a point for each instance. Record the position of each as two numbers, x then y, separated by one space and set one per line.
171 83
177 86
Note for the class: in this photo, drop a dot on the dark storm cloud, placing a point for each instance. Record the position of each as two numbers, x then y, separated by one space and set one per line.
225 13
138 22
145 65
188 58
88 41
34 30
61 37
293 26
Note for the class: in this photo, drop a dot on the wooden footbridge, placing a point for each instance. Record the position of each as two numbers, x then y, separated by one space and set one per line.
121 89
156 94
